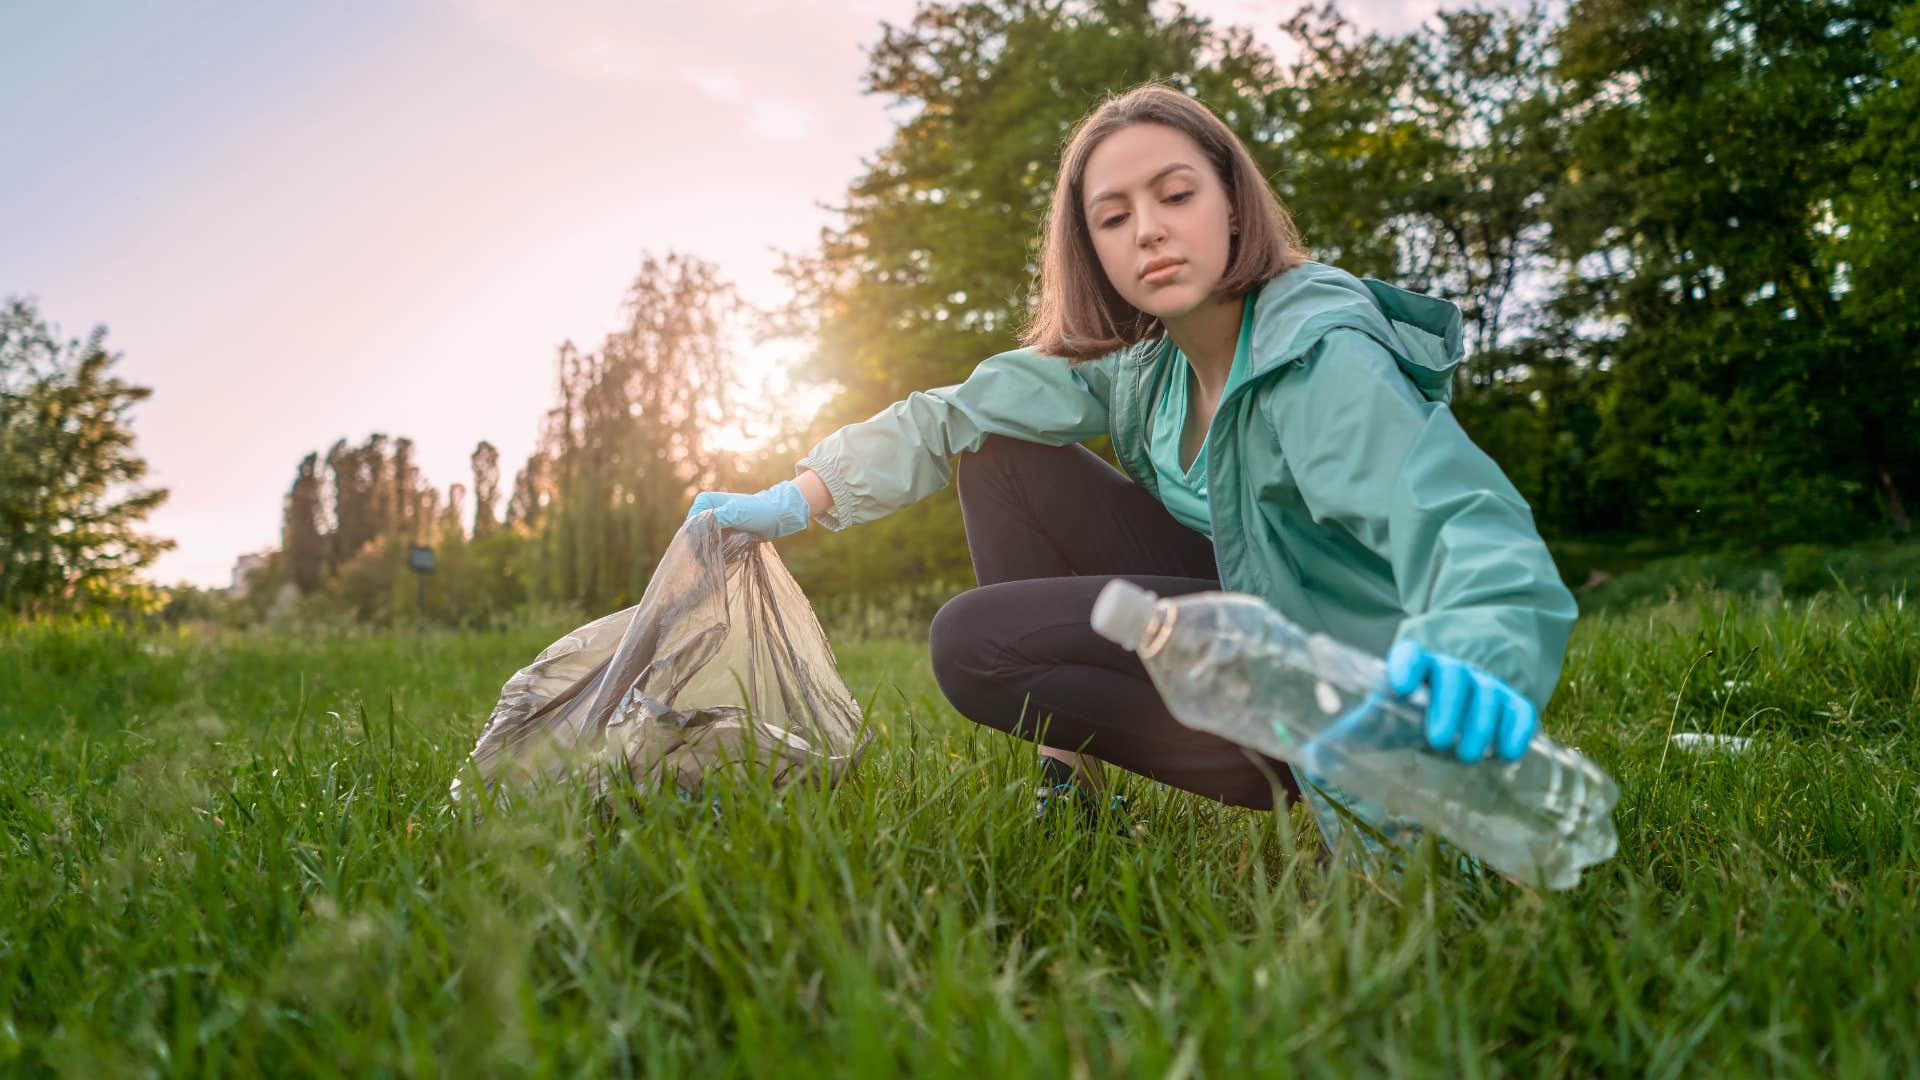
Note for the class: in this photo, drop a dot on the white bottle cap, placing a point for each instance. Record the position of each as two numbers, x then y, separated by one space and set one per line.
1121 612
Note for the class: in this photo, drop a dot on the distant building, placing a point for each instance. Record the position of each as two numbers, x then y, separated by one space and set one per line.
243 568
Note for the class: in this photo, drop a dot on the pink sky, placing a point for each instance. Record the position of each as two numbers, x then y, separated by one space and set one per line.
303 226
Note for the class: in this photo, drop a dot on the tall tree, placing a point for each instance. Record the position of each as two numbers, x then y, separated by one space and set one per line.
451 528
365 500
302 538
532 490
406 490
486 487
70 513
1488 111
1352 143
630 440
345 502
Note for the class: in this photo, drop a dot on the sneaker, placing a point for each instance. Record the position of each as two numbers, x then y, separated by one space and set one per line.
1061 785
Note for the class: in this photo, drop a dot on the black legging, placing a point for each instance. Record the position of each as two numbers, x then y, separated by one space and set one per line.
1048 527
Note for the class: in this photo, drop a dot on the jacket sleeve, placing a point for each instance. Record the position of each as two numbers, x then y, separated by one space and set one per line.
1396 471
903 453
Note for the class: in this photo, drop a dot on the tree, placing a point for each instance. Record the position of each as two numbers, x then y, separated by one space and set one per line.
486 487
302 534
1489 124
450 528
628 441
532 490
69 519
1746 401
1430 160
406 490
1876 232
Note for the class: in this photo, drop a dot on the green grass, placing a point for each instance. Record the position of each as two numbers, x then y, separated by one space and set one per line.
237 855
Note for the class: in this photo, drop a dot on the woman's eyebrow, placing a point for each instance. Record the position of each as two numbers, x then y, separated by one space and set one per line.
1175 167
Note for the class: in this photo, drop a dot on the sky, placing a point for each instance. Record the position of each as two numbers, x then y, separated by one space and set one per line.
307 221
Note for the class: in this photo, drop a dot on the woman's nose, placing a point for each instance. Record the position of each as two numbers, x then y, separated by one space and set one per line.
1147 229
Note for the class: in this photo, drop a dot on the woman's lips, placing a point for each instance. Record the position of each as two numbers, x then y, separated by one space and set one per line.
1165 273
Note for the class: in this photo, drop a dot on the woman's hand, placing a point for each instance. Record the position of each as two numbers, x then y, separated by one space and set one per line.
780 510
1468 710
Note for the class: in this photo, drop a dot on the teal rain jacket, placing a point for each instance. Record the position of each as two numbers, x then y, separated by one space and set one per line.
1342 490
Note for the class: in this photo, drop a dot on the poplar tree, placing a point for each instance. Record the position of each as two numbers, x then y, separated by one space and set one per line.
302 535
486 487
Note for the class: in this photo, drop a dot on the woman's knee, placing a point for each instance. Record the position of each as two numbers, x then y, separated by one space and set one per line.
950 640
959 644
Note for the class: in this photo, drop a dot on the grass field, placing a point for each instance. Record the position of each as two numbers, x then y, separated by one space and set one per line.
236 854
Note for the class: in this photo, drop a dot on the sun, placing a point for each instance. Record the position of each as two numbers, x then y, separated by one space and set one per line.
768 400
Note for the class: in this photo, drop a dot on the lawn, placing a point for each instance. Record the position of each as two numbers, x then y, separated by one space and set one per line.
235 853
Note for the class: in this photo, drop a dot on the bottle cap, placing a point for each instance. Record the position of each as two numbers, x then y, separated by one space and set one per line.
1121 612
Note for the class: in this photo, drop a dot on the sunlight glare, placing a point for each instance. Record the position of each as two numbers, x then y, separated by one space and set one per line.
769 401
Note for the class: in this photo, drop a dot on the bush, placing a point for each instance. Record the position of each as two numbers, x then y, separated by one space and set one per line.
1879 568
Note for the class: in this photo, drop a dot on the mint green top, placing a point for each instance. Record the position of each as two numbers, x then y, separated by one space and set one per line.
1184 491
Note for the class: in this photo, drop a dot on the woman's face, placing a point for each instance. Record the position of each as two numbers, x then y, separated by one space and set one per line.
1150 195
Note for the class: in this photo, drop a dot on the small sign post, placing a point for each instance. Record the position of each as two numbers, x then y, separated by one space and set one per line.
420 558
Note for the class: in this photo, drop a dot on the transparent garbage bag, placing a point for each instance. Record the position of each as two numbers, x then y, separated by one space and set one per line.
721 664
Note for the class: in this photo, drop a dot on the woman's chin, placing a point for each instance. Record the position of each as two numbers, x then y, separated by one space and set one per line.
1171 301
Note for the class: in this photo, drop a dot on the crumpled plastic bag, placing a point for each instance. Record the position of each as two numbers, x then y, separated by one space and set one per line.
722 662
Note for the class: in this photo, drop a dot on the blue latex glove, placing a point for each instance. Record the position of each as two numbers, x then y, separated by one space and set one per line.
780 510
1468 710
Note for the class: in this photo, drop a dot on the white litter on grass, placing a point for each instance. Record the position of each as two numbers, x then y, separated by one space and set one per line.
1694 740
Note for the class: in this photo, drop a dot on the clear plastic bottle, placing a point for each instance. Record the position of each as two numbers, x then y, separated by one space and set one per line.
1227 663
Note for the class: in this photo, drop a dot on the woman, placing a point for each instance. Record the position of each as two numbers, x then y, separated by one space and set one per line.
1283 430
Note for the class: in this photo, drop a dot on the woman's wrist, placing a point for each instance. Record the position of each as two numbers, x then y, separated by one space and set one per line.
815 490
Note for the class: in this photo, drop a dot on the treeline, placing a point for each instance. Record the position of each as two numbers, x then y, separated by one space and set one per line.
587 516
1679 231
350 518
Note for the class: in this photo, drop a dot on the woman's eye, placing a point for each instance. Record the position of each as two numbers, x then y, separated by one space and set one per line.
1177 197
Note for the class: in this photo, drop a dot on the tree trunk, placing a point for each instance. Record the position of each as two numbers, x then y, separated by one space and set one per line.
1896 509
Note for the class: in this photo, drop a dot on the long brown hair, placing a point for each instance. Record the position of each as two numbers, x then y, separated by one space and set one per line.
1081 316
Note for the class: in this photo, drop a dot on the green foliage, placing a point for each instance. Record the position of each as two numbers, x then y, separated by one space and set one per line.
201 610
236 854
344 544
303 537
904 613
1877 231
628 442
1755 395
486 487
1879 569
70 536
